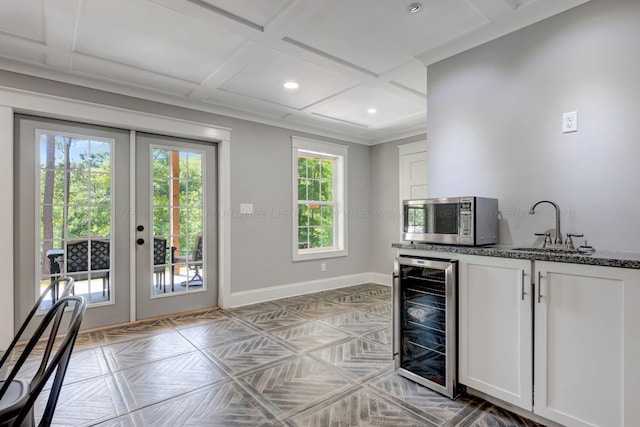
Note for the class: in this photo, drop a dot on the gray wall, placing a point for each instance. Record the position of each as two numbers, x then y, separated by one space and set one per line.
494 124
385 203
261 245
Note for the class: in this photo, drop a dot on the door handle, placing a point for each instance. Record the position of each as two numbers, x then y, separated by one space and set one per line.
140 241
522 285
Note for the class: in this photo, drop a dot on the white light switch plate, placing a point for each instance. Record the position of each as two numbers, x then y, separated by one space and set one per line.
570 122
246 208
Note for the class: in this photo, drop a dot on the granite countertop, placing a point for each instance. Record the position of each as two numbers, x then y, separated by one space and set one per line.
601 258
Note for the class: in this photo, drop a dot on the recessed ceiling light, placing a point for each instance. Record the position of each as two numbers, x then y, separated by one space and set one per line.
291 85
414 7
372 111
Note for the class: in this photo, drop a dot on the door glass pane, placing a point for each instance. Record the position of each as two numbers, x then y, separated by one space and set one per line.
177 221
75 175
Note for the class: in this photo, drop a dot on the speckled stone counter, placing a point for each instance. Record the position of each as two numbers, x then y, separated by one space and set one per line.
601 258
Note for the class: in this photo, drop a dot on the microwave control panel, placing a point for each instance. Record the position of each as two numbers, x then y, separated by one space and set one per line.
466 223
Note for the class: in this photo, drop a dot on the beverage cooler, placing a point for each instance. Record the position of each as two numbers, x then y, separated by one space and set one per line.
424 322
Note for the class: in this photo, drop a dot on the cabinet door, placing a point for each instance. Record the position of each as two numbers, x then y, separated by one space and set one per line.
586 344
495 329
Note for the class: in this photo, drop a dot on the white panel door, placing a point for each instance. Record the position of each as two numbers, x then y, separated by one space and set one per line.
495 329
586 344
413 171
412 167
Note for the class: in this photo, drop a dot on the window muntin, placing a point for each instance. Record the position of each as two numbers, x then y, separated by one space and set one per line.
75 223
316 207
177 191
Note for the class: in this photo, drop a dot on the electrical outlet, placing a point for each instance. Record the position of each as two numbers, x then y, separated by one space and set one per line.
323 267
570 122
246 208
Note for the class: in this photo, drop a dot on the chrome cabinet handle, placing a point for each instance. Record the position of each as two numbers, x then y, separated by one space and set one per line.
539 280
522 285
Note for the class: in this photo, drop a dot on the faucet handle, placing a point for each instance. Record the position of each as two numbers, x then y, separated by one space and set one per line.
547 238
569 241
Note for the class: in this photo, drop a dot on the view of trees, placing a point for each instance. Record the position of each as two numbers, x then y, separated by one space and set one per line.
315 202
75 183
75 193
177 196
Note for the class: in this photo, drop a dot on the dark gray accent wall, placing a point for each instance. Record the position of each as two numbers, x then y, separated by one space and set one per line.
495 115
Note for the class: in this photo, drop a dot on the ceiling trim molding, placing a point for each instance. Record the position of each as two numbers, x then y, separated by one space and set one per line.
176 101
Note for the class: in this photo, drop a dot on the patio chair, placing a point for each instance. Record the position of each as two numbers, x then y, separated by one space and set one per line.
160 261
193 260
18 396
78 261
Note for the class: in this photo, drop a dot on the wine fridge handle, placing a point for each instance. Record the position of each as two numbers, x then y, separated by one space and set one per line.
395 319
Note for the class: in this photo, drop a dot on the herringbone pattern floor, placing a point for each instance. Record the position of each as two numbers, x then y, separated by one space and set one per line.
315 360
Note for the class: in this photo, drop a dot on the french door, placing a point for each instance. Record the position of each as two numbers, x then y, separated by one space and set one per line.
176 225
74 218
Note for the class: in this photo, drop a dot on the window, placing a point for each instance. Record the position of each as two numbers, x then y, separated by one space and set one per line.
319 199
75 222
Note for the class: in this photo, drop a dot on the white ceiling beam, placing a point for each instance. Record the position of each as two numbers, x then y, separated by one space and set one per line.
274 37
492 10
522 17
60 30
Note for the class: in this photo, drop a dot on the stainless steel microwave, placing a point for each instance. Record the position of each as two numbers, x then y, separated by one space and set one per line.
469 221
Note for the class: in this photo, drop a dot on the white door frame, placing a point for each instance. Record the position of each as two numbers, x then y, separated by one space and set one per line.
13 101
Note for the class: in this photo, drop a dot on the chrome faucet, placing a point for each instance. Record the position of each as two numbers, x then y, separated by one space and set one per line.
558 239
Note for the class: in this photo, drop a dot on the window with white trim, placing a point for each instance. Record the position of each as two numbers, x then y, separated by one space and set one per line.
319 199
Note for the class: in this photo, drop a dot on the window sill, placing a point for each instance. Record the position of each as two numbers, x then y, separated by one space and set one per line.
334 253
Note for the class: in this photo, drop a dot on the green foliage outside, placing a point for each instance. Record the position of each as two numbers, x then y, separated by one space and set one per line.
315 202
75 180
189 209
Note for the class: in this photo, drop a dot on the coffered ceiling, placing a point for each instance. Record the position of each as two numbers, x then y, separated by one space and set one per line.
232 56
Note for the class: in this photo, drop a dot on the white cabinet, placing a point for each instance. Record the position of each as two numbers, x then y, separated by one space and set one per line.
587 344
495 327
585 359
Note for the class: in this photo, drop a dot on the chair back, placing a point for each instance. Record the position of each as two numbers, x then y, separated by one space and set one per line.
159 250
197 252
51 290
77 255
50 361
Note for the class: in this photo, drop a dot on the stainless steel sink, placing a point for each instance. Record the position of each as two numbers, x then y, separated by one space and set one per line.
548 250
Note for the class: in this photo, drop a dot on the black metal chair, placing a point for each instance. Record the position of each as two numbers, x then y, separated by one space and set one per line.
77 260
18 396
160 261
192 259
51 290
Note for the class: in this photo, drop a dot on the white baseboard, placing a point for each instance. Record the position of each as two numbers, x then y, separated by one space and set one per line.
381 279
237 299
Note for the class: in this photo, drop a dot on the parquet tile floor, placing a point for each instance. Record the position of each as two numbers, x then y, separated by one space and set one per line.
314 360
